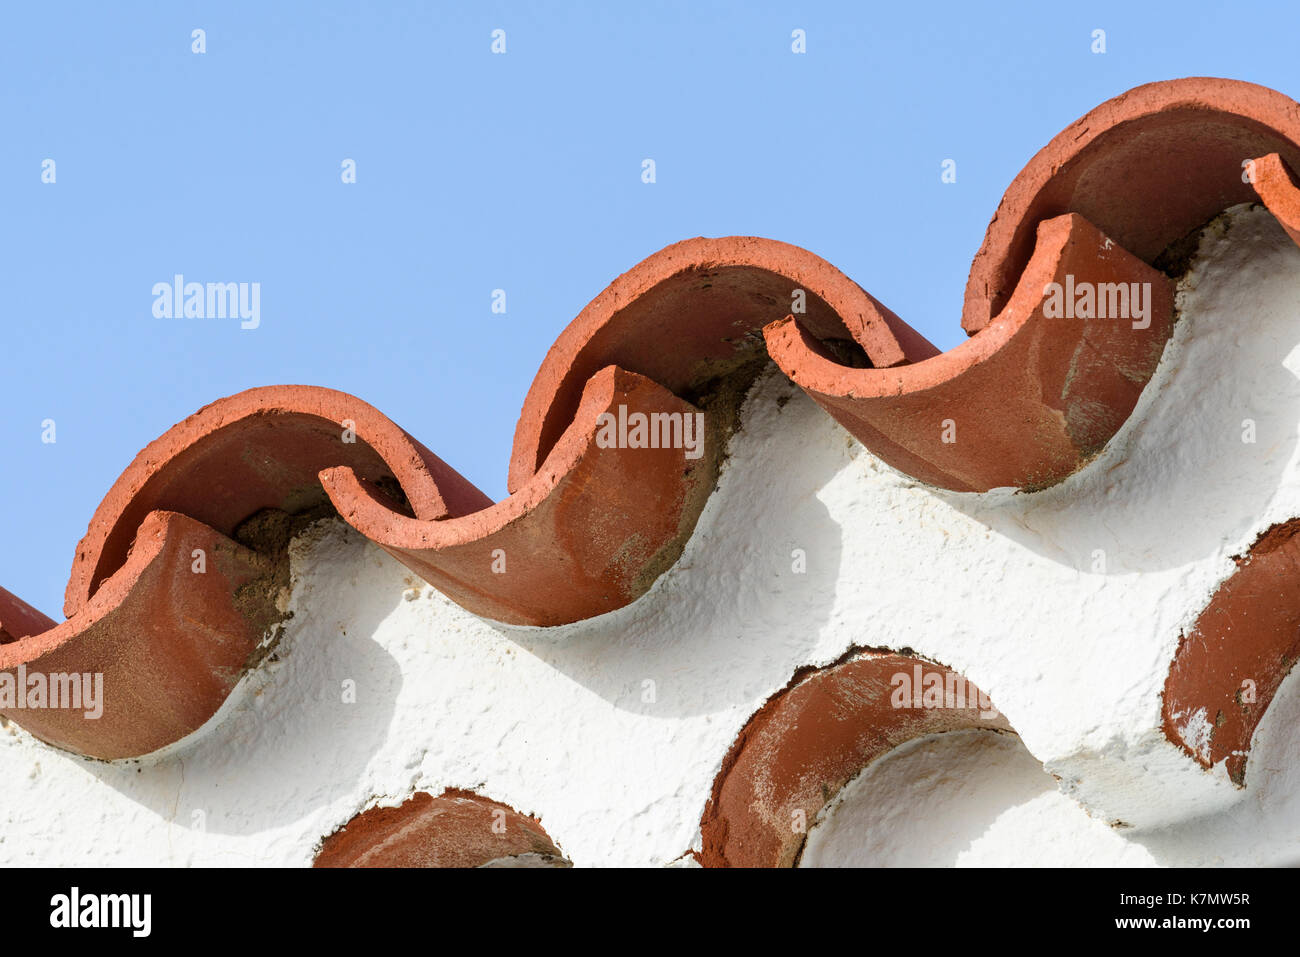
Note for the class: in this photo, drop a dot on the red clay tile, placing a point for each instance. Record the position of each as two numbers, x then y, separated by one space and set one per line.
1146 168
1024 402
807 742
170 643
691 313
1227 670
589 532
1277 187
19 619
455 829
263 448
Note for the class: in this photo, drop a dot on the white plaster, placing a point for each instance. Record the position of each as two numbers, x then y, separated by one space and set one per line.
561 723
961 799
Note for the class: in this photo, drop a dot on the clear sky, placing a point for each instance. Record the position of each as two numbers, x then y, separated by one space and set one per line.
477 171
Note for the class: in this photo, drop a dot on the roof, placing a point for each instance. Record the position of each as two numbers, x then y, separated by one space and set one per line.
181 574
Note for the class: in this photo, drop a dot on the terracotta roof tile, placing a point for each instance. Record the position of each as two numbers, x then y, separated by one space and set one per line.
1276 186
809 740
1228 668
585 534
1146 167
454 829
1036 396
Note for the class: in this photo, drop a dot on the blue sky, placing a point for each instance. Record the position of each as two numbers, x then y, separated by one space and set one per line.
476 172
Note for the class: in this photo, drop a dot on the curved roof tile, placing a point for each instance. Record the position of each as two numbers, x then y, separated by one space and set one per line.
1228 668
454 829
809 740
